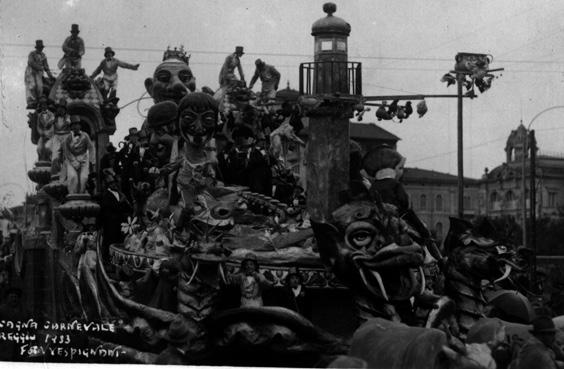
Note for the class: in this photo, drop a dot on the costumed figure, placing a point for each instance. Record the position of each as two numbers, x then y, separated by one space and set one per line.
61 132
227 73
161 121
109 66
45 129
73 49
385 166
232 92
85 250
36 66
114 211
247 164
195 163
295 295
172 79
269 77
250 282
78 153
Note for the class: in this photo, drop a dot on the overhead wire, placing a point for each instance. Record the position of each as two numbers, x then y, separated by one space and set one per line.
215 52
446 153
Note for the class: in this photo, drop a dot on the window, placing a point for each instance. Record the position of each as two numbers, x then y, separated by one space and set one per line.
439 230
341 45
509 196
423 202
467 202
439 203
552 199
326 45
493 198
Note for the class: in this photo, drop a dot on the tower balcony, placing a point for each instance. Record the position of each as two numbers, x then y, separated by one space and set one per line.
331 77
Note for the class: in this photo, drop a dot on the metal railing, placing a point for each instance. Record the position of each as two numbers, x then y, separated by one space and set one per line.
329 77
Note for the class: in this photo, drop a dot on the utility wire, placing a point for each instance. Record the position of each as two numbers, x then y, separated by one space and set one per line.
368 57
446 153
406 69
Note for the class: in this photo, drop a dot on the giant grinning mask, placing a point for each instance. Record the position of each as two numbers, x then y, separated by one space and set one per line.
197 118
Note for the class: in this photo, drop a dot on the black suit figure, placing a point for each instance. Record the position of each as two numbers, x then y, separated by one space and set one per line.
295 295
115 208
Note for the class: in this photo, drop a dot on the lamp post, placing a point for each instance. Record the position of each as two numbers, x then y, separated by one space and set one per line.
529 136
471 70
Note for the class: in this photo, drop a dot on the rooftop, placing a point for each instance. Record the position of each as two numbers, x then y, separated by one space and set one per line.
417 175
370 131
360 131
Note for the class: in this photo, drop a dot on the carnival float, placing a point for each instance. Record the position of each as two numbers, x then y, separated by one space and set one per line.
161 248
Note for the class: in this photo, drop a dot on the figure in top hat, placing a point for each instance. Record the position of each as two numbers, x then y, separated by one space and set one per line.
36 66
73 49
294 294
269 77
109 66
78 153
227 75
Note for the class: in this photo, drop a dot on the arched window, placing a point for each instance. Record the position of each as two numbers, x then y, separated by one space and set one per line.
439 203
494 198
509 196
423 202
439 230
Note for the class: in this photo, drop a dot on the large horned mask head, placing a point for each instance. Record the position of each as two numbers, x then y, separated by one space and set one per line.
368 248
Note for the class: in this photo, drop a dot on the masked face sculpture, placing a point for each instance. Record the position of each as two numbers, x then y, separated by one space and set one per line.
197 118
172 80
369 250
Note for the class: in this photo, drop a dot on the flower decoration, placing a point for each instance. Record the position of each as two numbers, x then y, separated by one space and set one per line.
130 226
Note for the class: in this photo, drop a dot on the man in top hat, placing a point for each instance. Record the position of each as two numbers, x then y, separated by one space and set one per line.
109 66
538 351
115 208
247 164
295 296
227 73
36 66
78 153
73 49
269 77
181 335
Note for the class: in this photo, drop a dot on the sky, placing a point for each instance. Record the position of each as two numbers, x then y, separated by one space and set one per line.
404 47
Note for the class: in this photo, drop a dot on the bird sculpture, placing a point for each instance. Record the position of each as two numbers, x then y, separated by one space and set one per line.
449 79
408 109
393 108
422 108
382 113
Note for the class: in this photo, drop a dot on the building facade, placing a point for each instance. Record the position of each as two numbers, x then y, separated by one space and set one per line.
502 190
433 197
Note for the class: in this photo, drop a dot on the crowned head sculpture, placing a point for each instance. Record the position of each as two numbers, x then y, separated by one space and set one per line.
173 78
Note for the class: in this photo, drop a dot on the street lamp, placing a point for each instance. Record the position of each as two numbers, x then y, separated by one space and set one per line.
529 136
471 70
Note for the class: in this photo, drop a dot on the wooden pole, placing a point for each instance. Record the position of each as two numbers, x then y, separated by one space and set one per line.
460 82
533 205
524 190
